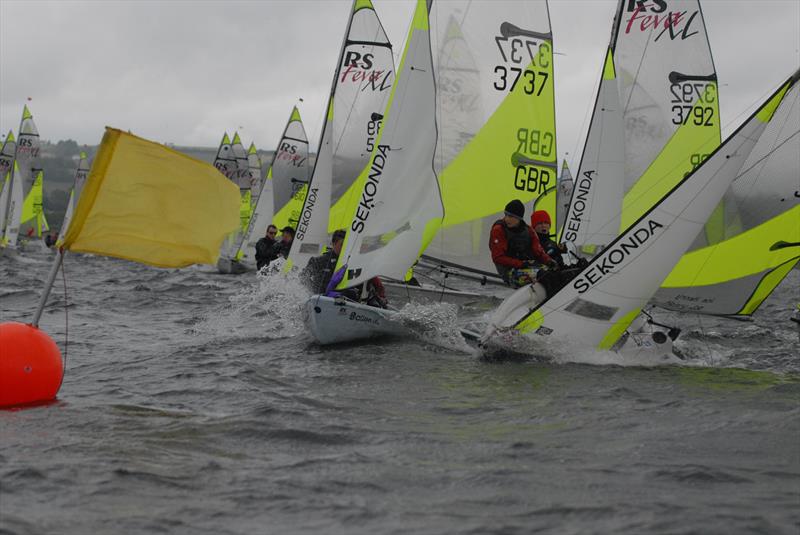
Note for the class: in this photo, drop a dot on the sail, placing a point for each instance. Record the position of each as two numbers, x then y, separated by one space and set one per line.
80 178
399 207
659 80
359 92
598 305
363 81
563 196
225 161
753 238
260 218
14 213
30 166
6 167
593 216
495 118
27 154
243 180
290 172
32 210
254 165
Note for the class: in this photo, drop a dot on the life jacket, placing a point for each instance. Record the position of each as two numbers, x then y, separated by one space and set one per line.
518 243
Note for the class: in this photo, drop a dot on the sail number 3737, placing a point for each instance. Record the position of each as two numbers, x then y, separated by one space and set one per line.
514 52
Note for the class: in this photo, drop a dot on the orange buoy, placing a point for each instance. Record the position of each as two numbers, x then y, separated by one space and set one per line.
31 368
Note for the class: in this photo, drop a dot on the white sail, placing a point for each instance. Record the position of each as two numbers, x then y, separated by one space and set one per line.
254 216
312 228
563 196
752 239
399 208
360 89
81 173
225 161
362 83
290 172
593 215
658 123
598 305
6 167
254 165
14 213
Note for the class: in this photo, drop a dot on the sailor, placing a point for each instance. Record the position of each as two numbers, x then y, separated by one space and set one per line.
515 248
283 247
320 269
540 222
264 247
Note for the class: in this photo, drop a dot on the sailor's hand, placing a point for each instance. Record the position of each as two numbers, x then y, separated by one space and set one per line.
562 247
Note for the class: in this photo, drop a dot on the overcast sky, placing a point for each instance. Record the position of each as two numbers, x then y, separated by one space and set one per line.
185 71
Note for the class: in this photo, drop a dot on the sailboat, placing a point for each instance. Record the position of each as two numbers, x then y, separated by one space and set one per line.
32 219
597 308
280 197
656 116
74 194
7 174
359 91
402 203
25 168
228 161
399 207
496 123
752 239
290 172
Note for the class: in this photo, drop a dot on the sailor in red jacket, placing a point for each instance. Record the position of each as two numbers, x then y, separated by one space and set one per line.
515 247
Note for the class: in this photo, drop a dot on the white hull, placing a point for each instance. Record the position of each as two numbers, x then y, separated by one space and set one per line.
333 321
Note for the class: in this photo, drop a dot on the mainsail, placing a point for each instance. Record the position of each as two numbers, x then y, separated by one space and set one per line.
399 207
495 117
289 172
361 86
598 305
753 237
655 119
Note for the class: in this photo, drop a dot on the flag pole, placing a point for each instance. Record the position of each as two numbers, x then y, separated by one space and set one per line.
51 278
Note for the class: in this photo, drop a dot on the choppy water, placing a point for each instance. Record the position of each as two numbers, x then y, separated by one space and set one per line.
194 403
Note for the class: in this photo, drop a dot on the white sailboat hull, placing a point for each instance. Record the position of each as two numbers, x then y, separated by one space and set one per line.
334 321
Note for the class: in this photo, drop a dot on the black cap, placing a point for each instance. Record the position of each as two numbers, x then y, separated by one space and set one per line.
338 235
516 208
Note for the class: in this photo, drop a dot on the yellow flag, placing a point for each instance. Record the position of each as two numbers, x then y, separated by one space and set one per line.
148 203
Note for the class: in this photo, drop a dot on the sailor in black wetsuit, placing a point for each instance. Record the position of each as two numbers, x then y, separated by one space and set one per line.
320 269
264 254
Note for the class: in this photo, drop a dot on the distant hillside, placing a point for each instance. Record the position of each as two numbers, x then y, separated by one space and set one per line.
60 160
